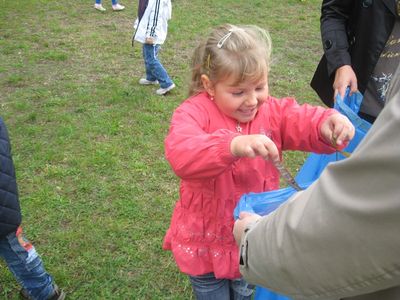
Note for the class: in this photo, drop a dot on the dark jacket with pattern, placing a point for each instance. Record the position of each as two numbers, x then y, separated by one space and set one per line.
10 212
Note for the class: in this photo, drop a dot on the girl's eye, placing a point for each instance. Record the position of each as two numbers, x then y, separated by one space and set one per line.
259 89
238 93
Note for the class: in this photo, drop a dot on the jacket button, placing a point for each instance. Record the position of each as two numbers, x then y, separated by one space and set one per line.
328 44
367 3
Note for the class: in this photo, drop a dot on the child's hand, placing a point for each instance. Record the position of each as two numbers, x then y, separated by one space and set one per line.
149 40
254 145
337 129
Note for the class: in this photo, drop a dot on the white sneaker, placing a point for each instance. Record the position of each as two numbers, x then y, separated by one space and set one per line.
162 91
144 81
118 7
99 7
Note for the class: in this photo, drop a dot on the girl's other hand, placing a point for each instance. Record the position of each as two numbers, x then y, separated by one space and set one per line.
337 128
254 145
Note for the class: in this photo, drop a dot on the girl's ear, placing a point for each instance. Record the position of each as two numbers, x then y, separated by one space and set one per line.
207 84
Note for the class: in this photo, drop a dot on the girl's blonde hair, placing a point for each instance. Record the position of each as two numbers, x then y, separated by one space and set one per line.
239 52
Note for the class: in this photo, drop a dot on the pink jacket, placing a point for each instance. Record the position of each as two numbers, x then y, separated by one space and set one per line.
212 179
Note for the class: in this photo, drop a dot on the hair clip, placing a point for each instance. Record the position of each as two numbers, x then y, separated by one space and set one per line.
208 61
224 38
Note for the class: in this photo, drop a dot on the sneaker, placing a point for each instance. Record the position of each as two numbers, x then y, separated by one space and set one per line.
58 294
99 7
162 91
117 7
144 81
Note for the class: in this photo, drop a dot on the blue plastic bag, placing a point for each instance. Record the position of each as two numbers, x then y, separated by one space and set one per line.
265 294
264 203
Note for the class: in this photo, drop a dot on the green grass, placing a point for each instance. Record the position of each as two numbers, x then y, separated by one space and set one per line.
96 191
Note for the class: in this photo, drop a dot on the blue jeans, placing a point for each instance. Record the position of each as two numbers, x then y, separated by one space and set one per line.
154 69
207 287
113 2
26 265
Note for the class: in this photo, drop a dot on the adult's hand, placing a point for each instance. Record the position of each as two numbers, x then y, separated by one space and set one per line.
344 77
245 218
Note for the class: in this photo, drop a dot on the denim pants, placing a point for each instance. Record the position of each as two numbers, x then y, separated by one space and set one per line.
154 69
207 287
113 2
26 265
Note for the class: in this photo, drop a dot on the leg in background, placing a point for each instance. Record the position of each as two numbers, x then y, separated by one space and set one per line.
26 265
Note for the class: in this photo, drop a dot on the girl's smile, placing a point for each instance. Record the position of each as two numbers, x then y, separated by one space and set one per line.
238 101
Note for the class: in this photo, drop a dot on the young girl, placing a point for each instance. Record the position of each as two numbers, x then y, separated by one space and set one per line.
222 143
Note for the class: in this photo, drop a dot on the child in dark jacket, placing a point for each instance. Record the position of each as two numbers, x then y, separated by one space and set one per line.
18 253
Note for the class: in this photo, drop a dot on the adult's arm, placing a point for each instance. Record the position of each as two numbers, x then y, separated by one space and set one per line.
340 237
335 15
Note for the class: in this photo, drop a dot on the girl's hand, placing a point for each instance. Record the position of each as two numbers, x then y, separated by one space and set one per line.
337 129
254 145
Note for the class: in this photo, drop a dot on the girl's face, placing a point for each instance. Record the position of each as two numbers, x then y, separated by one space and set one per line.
240 102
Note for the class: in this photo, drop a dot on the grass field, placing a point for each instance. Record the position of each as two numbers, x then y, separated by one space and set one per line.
95 189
